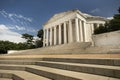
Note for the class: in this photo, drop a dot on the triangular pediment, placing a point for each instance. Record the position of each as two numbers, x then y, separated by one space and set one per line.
62 14
58 16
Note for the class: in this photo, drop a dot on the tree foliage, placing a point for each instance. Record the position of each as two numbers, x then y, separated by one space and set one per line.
6 45
119 9
29 44
40 34
28 37
101 29
39 43
113 25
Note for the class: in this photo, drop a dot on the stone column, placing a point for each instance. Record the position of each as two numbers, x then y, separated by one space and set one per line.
55 35
81 31
50 36
59 33
65 33
47 40
92 27
92 32
85 31
71 32
77 30
44 40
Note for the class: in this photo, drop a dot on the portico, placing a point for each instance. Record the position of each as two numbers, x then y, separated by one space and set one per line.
68 27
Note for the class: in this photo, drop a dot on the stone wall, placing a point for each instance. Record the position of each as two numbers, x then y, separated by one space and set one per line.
14 51
107 39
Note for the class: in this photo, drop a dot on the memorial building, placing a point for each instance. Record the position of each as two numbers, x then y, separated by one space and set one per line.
69 27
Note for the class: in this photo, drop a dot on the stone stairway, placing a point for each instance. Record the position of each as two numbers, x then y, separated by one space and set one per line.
51 68
72 48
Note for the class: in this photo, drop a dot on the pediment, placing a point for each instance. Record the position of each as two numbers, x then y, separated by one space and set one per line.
58 16
63 14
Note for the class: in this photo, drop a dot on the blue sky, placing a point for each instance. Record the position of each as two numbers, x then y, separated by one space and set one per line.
28 16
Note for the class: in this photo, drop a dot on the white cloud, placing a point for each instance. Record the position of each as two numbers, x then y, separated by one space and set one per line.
20 28
95 10
3 27
3 13
110 18
13 16
7 34
21 23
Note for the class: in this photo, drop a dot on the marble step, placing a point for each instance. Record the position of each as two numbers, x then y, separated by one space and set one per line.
56 74
18 62
6 75
110 71
31 61
101 61
12 67
59 74
5 79
22 75
40 56
32 69
18 57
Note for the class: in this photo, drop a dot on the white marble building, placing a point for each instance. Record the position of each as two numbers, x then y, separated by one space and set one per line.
71 26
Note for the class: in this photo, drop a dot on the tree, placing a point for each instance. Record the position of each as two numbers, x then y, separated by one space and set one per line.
101 29
2 48
22 46
115 22
30 42
28 37
113 25
39 42
119 9
7 45
40 34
